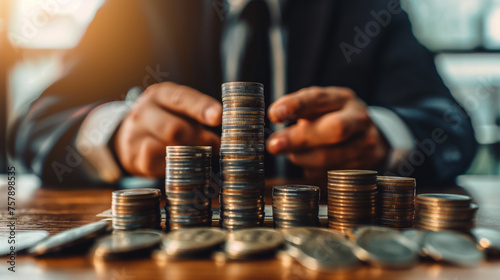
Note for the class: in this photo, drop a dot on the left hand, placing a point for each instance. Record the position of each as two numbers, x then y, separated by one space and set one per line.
333 131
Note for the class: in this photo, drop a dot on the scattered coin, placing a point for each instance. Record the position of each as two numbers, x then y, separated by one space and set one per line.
417 236
386 248
192 242
356 232
488 239
23 241
69 239
252 243
321 249
127 244
299 235
452 247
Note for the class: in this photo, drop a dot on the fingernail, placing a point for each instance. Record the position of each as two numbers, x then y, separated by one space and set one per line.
211 114
277 144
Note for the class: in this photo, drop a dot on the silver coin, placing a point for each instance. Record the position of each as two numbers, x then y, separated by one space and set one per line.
487 238
69 238
244 243
300 235
386 249
452 247
22 242
356 232
417 235
192 242
324 251
126 244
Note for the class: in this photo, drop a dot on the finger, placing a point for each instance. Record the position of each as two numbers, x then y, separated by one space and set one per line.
187 101
172 129
150 161
330 129
309 103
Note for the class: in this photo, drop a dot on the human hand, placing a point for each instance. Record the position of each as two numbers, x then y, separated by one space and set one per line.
333 131
165 114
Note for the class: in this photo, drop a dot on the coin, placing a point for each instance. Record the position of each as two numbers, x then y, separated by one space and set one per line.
352 197
22 242
242 155
299 235
445 199
187 186
396 201
295 205
193 242
488 239
127 244
445 212
417 235
320 249
386 248
136 209
452 247
251 243
69 239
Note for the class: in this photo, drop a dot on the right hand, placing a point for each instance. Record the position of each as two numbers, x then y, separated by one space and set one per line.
166 114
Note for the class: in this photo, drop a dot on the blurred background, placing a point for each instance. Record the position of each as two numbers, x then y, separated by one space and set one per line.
465 34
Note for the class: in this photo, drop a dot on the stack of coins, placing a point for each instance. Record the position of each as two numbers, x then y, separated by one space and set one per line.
242 155
136 209
352 197
187 186
295 206
438 212
396 201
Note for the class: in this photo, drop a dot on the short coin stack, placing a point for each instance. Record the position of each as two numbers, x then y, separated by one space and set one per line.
295 206
242 155
352 197
136 209
438 212
187 184
396 201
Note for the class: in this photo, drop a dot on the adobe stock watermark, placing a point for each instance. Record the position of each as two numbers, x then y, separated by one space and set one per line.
74 158
363 35
423 149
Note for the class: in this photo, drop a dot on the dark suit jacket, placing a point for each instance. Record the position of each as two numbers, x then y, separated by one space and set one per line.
129 39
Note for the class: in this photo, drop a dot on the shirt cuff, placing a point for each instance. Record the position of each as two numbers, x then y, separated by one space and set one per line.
94 136
398 135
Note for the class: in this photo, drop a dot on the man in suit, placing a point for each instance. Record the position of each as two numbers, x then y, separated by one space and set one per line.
364 93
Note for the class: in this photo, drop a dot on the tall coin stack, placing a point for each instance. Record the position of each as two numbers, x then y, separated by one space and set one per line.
188 172
352 198
136 209
396 201
438 212
295 206
242 155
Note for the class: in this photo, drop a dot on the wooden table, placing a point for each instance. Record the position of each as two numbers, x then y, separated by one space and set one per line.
56 210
